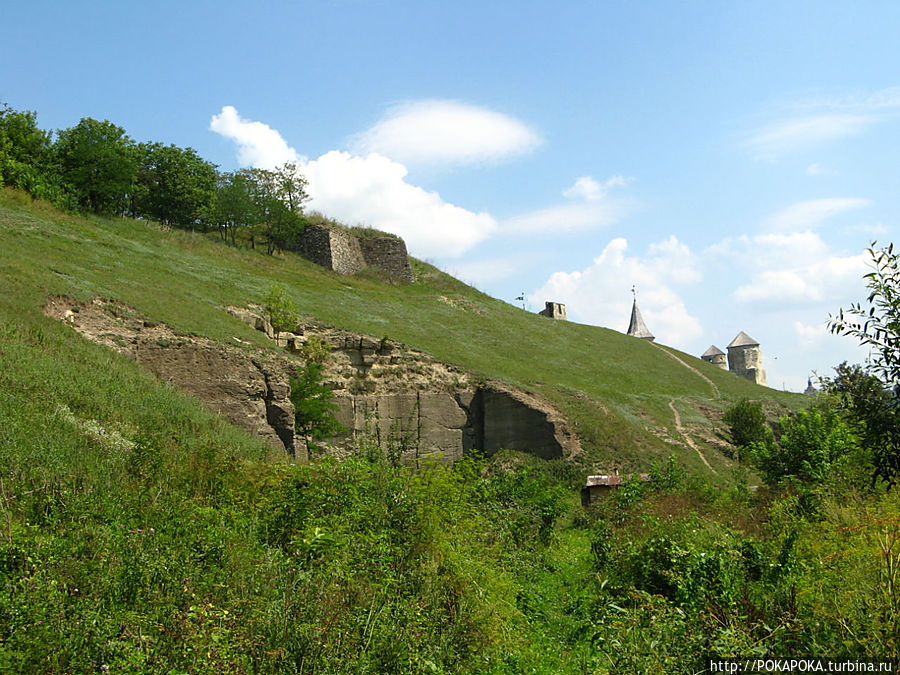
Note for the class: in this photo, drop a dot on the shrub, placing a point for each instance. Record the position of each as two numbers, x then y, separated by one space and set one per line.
747 423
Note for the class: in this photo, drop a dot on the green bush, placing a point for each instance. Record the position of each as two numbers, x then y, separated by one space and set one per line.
747 423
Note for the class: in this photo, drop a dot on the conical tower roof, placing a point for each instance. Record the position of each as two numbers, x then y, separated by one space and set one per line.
637 328
743 340
712 351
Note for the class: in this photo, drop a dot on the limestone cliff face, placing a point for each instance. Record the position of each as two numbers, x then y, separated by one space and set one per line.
415 406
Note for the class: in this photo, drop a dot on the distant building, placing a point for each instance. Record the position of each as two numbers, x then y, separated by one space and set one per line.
555 310
598 487
715 356
637 328
745 360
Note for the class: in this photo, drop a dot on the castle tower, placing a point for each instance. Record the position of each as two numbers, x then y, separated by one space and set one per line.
637 328
745 360
715 356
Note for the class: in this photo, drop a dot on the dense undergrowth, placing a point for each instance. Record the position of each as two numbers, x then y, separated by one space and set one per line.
141 534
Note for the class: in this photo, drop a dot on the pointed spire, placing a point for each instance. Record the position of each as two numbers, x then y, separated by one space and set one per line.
637 328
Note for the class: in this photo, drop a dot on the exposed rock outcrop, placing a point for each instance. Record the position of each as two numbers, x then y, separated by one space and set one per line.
414 405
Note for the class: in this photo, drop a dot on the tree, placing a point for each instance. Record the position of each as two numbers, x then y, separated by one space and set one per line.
812 442
232 206
312 398
24 151
174 185
872 395
280 309
747 423
98 163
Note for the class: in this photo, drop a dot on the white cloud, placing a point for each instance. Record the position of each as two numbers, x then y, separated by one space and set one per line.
795 269
591 207
586 187
806 123
370 190
601 293
259 145
801 133
446 132
809 214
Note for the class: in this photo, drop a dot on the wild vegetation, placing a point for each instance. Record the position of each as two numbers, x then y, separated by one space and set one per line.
140 533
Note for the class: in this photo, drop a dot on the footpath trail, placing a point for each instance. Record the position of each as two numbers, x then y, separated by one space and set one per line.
681 429
691 368
683 432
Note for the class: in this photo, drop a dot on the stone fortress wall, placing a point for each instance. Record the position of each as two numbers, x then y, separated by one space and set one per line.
345 253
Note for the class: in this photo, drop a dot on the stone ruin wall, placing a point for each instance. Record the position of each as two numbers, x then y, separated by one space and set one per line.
347 254
387 254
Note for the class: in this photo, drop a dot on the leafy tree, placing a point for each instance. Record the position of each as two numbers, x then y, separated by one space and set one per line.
812 442
24 151
174 185
275 220
232 206
747 423
873 395
98 162
290 187
280 309
312 398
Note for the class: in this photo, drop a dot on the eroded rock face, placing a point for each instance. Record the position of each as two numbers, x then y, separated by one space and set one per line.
249 390
414 406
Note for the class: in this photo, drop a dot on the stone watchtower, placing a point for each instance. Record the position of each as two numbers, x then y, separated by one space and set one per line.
745 360
555 310
715 356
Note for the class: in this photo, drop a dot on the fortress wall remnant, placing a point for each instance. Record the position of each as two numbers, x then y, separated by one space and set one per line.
555 310
345 253
387 254
315 245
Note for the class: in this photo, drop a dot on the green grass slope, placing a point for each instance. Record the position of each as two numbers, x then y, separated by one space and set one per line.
615 389
140 533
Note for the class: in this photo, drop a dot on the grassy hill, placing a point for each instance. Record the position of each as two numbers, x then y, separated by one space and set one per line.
616 390
141 533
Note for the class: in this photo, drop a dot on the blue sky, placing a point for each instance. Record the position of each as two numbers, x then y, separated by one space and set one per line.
732 160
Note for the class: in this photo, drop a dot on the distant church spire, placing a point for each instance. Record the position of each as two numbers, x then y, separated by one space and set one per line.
637 328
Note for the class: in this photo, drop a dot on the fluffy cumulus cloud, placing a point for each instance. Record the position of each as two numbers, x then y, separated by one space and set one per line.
372 190
805 124
446 132
791 269
589 205
259 145
369 190
601 293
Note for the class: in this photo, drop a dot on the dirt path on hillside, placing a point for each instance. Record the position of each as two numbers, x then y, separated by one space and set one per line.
684 434
691 368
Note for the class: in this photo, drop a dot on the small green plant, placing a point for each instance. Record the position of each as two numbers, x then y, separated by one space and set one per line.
280 309
312 397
